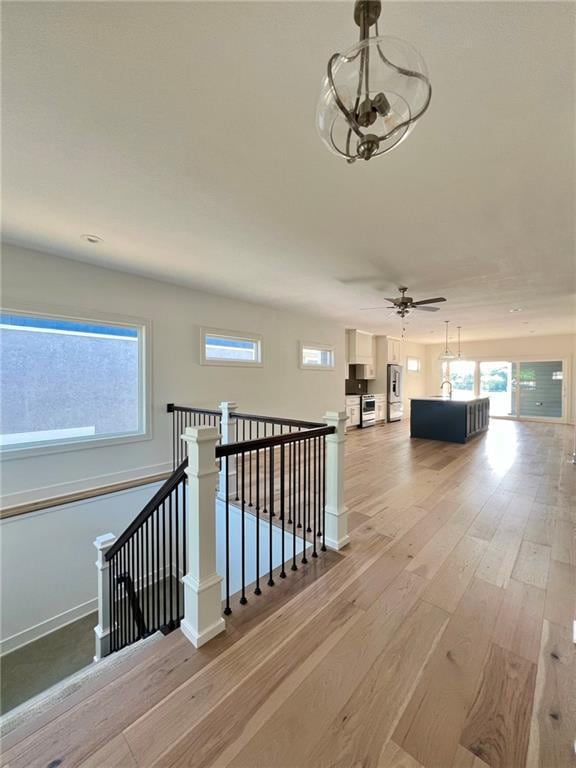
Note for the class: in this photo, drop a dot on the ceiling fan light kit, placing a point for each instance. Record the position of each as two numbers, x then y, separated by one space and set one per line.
373 94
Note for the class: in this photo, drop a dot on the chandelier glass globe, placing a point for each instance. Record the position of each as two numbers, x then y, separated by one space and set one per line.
373 94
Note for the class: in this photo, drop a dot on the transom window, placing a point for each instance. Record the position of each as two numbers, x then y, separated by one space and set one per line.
230 348
68 380
316 356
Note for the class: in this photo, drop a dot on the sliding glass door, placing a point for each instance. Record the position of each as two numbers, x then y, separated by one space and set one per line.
498 382
540 389
517 389
462 376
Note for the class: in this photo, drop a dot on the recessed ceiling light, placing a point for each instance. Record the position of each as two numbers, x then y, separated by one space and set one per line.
516 309
92 239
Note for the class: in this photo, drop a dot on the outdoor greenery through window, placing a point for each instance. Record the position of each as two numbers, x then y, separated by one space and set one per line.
312 356
68 380
229 348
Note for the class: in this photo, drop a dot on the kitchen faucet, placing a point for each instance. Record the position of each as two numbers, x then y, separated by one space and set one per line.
446 381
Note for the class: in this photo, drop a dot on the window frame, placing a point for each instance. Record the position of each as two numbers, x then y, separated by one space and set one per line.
144 327
321 348
418 369
233 335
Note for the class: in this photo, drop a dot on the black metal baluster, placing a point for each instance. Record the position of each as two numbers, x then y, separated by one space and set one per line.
323 547
250 469
184 528
282 516
306 470
170 555
265 480
290 510
315 497
177 550
257 591
146 593
293 483
111 605
271 506
243 599
121 599
164 585
309 493
227 609
157 571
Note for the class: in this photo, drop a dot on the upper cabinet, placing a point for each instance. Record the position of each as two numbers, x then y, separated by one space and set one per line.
360 347
394 351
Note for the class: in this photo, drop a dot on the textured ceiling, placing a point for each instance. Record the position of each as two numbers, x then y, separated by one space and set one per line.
183 134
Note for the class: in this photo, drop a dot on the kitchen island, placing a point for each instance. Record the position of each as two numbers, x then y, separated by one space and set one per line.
454 421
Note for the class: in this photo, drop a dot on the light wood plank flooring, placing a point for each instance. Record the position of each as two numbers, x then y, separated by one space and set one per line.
442 638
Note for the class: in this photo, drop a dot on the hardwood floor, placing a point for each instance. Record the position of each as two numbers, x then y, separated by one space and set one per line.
442 638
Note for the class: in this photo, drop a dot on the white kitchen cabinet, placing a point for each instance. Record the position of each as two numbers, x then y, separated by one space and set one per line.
380 407
360 346
353 411
394 351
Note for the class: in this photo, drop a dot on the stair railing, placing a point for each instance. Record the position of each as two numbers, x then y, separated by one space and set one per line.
276 501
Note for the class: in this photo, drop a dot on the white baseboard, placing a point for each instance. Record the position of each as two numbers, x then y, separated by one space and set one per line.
46 627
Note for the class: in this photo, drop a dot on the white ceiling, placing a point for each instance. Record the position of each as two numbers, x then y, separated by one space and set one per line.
183 134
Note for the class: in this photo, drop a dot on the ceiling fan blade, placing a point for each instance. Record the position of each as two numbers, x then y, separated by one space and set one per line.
426 309
428 301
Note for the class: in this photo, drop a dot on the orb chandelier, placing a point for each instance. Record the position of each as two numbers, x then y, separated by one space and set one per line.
373 94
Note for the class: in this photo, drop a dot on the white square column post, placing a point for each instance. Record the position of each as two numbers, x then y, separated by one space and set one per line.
336 524
203 618
229 434
102 629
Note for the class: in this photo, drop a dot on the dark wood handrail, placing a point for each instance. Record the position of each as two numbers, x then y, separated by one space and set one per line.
276 420
231 449
161 495
171 407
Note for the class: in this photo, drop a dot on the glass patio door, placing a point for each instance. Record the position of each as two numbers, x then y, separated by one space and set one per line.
498 382
540 389
462 376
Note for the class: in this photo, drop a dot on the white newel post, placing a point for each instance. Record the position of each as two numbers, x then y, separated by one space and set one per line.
102 630
228 429
336 513
203 618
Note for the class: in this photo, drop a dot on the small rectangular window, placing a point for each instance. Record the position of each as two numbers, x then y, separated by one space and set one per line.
413 364
230 348
68 380
318 356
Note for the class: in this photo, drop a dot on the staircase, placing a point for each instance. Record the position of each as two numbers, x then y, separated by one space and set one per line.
252 499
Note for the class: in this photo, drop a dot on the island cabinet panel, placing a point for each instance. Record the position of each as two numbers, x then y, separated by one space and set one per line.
454 421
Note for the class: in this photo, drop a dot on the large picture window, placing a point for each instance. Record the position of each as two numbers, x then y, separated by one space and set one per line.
68 380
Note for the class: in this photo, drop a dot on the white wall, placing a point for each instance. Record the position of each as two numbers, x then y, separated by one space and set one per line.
414 381
526 348
33 280
48 574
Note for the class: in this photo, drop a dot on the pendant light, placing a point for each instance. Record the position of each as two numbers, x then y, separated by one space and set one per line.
373 94
447 354
460 355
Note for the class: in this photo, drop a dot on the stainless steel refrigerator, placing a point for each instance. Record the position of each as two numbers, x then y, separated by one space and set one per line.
395 409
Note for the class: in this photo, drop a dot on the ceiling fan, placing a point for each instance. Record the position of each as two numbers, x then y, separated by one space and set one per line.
403 304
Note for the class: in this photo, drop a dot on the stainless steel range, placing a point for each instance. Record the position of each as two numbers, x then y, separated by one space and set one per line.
367 411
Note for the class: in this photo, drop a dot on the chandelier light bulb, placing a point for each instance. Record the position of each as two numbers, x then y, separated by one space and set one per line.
373 94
